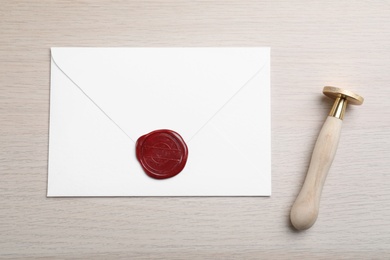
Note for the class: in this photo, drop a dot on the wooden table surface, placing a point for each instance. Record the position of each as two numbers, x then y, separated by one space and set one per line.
314 43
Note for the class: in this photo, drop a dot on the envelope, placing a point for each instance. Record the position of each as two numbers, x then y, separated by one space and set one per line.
103 99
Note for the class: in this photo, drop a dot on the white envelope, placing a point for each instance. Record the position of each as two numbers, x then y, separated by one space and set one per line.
103 99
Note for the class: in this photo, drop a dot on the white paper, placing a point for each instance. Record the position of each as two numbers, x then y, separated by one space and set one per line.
103 99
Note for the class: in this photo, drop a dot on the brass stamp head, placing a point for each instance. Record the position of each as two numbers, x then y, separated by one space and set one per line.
335 93
343 97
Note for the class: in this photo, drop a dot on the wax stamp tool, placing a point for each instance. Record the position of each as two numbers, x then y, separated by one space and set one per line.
304 212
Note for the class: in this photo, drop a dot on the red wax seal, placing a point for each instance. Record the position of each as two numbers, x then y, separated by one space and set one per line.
162 153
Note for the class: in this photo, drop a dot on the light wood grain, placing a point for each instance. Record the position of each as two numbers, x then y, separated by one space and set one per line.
314 43
305 209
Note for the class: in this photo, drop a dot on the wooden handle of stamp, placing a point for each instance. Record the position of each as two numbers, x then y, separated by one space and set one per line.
304 212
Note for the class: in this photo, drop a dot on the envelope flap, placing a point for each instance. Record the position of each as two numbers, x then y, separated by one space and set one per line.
143 89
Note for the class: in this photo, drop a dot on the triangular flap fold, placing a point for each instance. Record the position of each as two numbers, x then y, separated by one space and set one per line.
143 89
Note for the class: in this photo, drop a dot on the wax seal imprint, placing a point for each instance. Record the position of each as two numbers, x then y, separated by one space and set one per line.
162 153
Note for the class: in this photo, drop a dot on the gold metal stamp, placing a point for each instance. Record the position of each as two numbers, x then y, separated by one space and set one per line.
343 97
